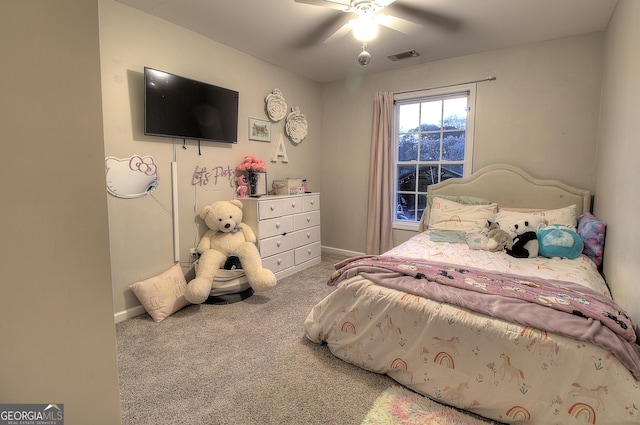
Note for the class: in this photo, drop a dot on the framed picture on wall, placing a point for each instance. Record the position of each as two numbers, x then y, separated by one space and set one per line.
259 130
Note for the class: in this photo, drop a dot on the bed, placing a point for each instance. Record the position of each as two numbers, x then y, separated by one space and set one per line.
500 356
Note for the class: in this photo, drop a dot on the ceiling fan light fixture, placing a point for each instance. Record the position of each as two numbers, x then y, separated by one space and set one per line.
365 28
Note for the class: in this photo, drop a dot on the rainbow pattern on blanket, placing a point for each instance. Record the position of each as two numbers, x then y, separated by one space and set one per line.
584 412
398 363
444 359
519 413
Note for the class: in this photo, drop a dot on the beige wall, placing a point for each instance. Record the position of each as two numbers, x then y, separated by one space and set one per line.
540 114
141 229
618 174
58 339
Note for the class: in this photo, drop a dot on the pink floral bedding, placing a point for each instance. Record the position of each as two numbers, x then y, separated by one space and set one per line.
502 370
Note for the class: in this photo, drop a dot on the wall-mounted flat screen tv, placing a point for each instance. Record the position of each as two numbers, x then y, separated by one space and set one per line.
182 108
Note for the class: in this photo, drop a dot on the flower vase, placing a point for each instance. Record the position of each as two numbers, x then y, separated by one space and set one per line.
252 180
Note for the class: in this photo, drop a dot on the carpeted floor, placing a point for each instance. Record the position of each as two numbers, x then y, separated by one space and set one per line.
244 363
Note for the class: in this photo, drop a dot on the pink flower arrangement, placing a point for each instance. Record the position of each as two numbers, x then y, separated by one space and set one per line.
252 163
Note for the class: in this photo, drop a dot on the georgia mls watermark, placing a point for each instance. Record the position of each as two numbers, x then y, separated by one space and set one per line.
32 414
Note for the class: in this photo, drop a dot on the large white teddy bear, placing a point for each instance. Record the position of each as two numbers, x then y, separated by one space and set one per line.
227 236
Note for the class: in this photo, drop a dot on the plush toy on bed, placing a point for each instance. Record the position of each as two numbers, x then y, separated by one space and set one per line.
490 238
525 241
559 241
227 236
499 239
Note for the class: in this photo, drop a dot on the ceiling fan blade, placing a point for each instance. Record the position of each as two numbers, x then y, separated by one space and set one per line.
332 4
402 25
320 33
341 32
384 3
431 18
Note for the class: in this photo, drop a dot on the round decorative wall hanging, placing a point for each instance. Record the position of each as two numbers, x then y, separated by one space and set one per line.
276 105
296 125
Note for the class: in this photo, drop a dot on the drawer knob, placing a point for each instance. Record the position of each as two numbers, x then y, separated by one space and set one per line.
308 235
309 251
279 261
308 219
279 243
293 204
313 202
277 225
273 207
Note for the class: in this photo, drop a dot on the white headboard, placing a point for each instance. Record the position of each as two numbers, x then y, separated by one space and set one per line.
509 186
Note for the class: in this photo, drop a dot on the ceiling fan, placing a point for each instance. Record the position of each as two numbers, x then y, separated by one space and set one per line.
369 16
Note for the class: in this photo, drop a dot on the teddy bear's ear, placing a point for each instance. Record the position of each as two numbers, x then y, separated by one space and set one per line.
206 210
237 203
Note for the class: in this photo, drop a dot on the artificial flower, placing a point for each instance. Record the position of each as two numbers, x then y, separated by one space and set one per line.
252 163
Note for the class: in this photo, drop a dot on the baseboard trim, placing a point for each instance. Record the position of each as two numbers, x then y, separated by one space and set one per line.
128 314
338 251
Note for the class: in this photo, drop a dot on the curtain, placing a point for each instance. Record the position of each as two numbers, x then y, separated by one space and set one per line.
379 206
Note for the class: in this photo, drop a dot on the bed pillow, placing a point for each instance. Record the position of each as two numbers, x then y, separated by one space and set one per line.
461 199
507 219
162 295
592 233
566 216
450 215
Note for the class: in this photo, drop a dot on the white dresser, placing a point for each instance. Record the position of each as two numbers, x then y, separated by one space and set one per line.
288 230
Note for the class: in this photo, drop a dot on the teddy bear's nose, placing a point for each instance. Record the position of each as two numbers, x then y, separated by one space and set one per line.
226 226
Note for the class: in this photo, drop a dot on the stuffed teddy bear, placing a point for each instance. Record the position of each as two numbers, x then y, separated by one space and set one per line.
525 242
490 238
241 182
227 236
499 240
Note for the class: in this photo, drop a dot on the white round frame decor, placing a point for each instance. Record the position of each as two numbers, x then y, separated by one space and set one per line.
296 125
275 105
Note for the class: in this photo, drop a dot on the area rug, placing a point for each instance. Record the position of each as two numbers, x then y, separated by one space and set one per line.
399 406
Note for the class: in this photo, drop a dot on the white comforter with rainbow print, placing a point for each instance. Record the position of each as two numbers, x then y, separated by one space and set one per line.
501 370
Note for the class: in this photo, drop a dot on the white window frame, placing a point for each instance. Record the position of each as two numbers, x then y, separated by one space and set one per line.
416 97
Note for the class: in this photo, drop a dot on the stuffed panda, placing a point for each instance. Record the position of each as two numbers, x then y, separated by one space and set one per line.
525 243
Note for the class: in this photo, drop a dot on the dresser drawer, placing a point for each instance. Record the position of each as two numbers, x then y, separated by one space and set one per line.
311 202
293 205
304 220
270 208
307 236
275 226
308 252
277 244
279 262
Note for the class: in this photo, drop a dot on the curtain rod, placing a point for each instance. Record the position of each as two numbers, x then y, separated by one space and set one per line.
449 85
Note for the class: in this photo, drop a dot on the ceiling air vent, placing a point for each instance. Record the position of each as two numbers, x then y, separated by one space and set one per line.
404 55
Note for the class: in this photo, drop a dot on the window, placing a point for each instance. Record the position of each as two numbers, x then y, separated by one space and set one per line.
433 140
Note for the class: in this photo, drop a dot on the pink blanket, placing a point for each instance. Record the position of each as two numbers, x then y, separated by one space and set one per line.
539 303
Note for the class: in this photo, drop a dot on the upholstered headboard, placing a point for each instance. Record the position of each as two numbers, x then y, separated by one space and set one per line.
511 187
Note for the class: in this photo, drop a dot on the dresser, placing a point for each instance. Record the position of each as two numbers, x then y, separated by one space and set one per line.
288 230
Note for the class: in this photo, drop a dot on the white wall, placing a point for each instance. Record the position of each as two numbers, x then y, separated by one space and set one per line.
618 174
540 114
141 229
58 338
